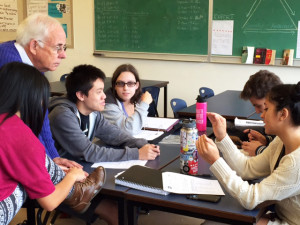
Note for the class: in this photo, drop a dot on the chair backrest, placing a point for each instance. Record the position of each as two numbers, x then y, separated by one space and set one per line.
154 91
206 92
176 105
63 77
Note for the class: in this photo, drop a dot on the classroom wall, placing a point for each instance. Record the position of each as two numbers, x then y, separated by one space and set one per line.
185 77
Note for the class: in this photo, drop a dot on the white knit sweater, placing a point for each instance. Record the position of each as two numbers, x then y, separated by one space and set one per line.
282 184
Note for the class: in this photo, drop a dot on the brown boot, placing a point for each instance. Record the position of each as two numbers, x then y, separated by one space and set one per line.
85 191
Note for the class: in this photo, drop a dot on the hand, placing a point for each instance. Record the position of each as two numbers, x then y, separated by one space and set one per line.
77 173
251 147
207 149
149 152
219 125
146 97
66 164
254 135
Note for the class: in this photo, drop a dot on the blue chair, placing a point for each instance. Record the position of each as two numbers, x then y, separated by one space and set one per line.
206 92
63 77
176 105
154 91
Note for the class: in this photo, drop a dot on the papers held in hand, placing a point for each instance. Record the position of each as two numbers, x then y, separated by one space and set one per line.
155 181
248 123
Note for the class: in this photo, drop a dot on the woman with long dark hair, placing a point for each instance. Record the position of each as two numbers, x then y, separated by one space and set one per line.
25 168
126 105
278 166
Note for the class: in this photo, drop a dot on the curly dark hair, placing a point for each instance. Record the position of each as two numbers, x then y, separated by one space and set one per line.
259 84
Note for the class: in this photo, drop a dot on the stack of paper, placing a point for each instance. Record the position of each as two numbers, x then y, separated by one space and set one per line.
248 123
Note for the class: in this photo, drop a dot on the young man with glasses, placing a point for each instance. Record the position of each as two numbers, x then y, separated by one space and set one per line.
76 119
40 42
126 106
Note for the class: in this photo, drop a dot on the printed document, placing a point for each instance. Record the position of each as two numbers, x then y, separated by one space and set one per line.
184 184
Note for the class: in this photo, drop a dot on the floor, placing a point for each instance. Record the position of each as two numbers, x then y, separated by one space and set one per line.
154 218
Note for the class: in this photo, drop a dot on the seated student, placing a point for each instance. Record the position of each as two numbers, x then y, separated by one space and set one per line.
125 105
25 168
278 166
76 119
255 90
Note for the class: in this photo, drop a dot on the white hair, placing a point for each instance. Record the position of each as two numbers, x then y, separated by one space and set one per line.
35 26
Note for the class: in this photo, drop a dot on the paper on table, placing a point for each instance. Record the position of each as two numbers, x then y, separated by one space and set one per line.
248 123
120 164
149 134
183 184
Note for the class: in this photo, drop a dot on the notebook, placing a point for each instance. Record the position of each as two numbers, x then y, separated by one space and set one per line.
158 182
142 178
161 124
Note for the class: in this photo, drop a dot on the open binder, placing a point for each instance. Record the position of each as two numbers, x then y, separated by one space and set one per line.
160 124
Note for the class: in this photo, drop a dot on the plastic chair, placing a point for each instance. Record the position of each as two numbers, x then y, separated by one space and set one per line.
206 92
176 105
63 77
154 91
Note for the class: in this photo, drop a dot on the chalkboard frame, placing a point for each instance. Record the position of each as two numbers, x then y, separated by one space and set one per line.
151 55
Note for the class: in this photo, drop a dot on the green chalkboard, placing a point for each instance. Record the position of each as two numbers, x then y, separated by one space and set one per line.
269 24
152 26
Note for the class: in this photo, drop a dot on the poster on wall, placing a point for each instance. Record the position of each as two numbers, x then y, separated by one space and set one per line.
8 15
13 12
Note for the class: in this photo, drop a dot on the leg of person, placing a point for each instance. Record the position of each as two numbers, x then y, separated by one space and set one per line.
108 211
10 206
82 192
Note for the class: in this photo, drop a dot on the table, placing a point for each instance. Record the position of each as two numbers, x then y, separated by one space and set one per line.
228 104
169 153
58 88
227 210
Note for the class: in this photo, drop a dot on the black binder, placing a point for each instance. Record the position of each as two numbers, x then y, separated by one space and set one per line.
142 178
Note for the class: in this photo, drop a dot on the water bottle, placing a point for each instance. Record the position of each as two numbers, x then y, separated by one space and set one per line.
201 109
188 150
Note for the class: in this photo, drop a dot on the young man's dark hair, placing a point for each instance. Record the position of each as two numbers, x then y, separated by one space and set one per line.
259 84
82 79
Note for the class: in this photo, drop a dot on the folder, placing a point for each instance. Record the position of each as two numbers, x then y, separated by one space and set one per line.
142 178
160 124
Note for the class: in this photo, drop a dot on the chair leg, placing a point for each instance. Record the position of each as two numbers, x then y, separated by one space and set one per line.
39 217
54 217
31 213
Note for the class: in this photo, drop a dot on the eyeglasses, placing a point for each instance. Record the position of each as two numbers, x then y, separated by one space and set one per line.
57 48
122 84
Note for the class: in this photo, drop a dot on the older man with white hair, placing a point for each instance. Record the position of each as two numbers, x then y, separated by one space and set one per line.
40 42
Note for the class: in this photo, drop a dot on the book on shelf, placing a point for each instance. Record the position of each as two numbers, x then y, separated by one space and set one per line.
247 54
288 57
160 124
260 54
155 181
270 57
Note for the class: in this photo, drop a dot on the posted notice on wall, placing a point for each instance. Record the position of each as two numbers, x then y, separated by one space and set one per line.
222 37
8 15
298 42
